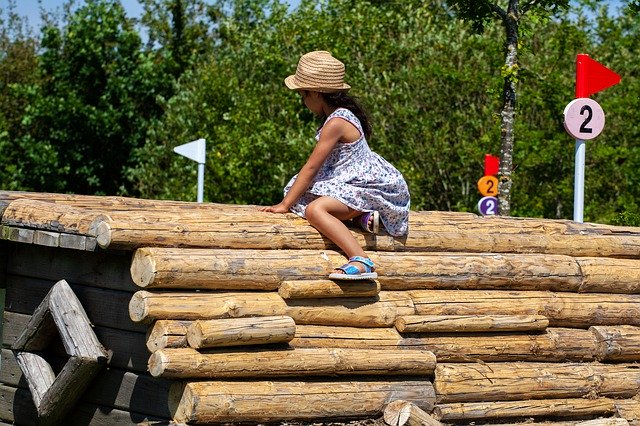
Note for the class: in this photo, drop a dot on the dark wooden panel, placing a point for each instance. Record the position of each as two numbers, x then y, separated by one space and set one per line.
109 308
106 269
127 349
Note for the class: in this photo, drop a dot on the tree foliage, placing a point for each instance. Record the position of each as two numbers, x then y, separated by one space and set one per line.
97 109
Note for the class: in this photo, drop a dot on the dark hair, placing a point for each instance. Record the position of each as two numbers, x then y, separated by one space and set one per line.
344 100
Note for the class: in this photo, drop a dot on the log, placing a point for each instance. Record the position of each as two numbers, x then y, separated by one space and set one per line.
240 331
562 309
381 311
318 336
167 334
186 363
617 343
629 409
179 268
470 323
430 231
573 408
475 382
273 401
311 289
146 306
41 215
554 345
609 275
401 413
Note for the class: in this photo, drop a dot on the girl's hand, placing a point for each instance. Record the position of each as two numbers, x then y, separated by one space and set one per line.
278 208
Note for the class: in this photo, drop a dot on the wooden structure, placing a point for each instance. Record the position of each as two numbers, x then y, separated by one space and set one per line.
212 313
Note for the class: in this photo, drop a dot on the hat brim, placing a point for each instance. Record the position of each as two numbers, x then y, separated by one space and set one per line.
291 83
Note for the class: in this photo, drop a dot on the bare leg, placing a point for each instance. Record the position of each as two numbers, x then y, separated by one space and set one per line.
327 214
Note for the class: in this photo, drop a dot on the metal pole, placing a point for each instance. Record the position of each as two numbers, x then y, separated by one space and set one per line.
578 186
200 182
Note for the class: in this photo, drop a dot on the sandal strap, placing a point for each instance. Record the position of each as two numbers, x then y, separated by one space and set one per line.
364 221
369 266
349 269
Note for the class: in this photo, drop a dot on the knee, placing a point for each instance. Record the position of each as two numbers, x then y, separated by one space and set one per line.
314 212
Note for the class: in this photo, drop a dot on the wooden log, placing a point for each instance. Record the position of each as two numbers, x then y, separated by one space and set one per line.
16 406
470 323
240 331
41 215
617 343
188 363
311 289
554 345
401 413
475 382
429 232
608 275
381 311
158 267
610 421
273 401
629 409
562 309
167 334
572 408
41 372
318 336
147 306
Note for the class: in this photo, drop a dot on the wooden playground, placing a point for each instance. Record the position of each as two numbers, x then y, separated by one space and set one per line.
127 311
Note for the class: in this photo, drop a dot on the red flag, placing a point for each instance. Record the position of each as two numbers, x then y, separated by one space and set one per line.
592 76
491 165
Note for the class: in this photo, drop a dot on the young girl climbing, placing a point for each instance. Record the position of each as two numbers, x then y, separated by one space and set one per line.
342 179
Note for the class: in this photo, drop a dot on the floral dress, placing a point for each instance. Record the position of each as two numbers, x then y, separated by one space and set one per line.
360 179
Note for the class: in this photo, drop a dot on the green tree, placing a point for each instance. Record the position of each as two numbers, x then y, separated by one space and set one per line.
97 95
510 13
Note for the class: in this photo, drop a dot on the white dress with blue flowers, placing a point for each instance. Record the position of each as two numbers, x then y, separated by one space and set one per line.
360 179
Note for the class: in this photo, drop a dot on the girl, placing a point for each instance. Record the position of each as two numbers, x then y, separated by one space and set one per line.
342 179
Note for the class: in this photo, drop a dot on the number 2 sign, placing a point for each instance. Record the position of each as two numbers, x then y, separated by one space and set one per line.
583 118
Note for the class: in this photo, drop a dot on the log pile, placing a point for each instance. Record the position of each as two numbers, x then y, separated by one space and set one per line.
472 319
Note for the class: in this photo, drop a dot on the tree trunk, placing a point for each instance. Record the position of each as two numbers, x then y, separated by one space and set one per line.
507 116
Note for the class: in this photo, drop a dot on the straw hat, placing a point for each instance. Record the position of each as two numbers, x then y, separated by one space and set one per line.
320 72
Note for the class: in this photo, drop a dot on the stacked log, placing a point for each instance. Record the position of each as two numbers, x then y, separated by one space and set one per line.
471 319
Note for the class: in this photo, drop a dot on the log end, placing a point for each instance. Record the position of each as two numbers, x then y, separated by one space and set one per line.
100 228
138 309
157 362
143 268
397 413
180 402
195 335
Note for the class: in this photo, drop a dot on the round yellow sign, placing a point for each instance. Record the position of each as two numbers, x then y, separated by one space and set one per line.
488 186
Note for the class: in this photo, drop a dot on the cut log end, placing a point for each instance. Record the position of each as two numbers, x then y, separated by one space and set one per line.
101 230
143 268
157 362
138 311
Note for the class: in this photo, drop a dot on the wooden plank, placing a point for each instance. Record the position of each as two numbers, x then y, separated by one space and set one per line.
562 309
109 308
188 363
470 323
126 349
272 401
17 408
15 234
5 250
46 238
106 269
513 381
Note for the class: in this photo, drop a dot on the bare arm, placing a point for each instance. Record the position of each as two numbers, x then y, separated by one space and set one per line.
332 132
